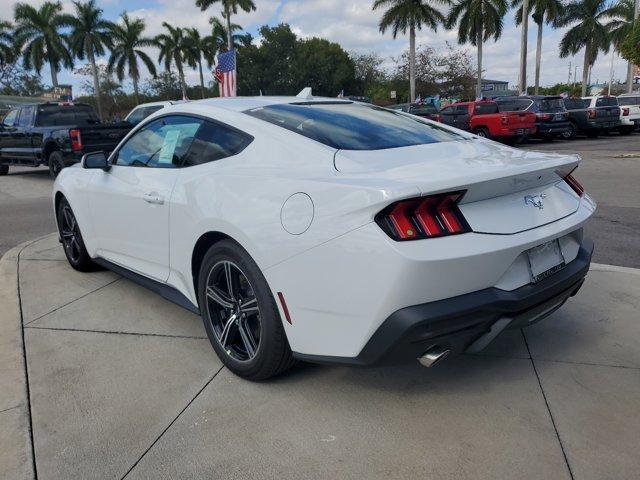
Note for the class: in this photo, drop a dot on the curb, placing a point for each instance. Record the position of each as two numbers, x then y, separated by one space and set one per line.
16 452
602 267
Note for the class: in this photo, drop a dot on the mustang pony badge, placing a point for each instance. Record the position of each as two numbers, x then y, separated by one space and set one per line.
535 200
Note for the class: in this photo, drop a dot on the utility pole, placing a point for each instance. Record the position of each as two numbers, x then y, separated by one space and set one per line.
630 66
575 73
523 48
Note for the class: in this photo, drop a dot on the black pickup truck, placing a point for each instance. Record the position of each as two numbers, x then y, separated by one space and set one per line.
54 134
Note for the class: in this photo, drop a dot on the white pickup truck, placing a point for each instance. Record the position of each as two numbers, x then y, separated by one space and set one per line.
629 112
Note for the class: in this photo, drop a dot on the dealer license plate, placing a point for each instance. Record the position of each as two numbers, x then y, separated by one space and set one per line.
545 260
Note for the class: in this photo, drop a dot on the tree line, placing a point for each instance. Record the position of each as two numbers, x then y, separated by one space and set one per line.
283 63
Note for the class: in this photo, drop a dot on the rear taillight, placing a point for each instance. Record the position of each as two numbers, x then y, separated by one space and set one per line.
574 184
504 119
544 116
437 118
424 217
625 112
591 112
76 140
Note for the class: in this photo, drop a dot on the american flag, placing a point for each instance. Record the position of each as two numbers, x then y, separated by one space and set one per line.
226 73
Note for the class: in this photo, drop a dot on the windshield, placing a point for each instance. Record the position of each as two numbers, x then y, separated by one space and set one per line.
52 115
575 103
348 126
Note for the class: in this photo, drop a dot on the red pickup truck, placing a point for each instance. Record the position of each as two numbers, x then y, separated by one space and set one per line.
485 120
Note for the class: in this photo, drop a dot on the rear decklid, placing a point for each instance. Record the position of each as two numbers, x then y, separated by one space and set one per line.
520 119
507 190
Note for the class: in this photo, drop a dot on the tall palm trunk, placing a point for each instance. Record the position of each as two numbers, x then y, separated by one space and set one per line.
479 83
136 91
629 77
523 47
412 63
183 84
585 68
96 82
201 77
538 56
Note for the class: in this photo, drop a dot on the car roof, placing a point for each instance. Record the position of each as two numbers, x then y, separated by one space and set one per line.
240 104
161 102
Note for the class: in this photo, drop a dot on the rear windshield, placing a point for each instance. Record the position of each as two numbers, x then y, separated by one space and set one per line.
551 105
514 105
575 103
486 108
52 115
606 102
629 100
348 126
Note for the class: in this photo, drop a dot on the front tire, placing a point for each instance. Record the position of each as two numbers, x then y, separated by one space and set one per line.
482 132
71 238
240 314
4 169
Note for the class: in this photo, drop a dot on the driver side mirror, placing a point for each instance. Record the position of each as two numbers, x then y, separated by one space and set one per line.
96 160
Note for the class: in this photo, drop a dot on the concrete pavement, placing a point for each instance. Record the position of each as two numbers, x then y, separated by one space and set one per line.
122 384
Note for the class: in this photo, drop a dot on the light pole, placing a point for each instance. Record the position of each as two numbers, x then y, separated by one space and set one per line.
523 47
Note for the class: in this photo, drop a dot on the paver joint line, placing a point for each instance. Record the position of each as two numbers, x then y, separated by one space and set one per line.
546 402
72 301
113 332
171 423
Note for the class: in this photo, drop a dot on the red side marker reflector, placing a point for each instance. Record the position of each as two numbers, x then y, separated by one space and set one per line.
284 308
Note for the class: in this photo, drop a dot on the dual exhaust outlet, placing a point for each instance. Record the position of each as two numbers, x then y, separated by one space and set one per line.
433 356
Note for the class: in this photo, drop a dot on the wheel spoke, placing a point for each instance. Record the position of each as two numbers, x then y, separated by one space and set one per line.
247 337
229 278
224 335
217 296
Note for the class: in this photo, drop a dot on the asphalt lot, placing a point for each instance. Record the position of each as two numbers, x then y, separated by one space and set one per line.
26 211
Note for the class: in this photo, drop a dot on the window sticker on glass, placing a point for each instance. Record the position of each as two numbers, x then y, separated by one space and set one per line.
169 147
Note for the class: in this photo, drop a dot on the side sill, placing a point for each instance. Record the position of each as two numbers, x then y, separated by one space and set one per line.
165 291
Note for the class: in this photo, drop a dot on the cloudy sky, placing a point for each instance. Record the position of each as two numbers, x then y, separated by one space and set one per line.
351 23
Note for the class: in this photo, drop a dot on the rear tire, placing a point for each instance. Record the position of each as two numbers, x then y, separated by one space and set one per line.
4 169
56 164
72 242
626 130
571 133
482 132
240 314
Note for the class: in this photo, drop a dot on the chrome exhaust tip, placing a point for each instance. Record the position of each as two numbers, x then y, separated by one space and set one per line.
433 356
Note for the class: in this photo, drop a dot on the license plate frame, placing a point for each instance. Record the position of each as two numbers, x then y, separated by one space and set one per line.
545 260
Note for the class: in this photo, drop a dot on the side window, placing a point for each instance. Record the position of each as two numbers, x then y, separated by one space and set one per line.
213 142
10 118
26 115
447 111
462 110
162 143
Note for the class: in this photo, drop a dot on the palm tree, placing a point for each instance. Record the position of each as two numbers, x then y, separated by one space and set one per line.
90 35
588 32
6 43
544 11
478 20
219 36
172 47
229 7
197 47
38 38
126 51
620 28
412 15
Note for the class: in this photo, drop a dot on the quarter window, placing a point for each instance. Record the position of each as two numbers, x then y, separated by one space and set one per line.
213 142
163 143
10 118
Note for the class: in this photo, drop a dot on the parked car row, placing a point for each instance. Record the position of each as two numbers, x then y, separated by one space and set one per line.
546 117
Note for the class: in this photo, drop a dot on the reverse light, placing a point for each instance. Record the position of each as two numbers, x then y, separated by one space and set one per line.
424 217
76 140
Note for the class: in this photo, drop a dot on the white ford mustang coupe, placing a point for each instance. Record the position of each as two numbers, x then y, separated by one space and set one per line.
329 231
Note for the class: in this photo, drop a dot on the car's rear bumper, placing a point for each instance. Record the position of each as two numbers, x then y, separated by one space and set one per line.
467 322
552 128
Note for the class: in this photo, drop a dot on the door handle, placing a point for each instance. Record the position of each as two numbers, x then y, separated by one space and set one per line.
153 197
